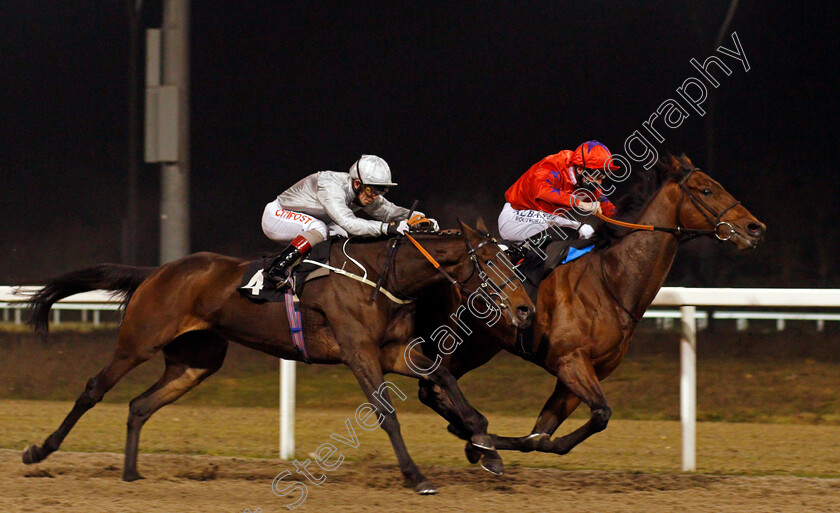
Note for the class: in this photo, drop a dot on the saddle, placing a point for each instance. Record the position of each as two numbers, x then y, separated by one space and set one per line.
253 284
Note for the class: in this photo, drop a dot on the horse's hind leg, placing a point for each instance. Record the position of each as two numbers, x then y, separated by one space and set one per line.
123 360
190 359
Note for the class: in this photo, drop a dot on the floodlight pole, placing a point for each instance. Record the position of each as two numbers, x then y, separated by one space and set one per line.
175 175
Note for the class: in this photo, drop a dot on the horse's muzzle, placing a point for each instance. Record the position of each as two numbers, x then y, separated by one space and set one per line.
524 316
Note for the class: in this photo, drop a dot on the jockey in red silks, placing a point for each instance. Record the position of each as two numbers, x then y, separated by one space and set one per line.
555 194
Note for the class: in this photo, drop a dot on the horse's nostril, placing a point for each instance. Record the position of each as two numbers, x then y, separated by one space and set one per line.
755 229
523 312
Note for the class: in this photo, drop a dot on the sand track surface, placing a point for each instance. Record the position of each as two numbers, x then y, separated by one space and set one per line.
90 482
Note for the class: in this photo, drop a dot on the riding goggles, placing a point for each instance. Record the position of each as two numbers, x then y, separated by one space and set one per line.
372 190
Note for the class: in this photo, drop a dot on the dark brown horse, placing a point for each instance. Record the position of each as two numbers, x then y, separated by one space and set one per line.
190 309
588 310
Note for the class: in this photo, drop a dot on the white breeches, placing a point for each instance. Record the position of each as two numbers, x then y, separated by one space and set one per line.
282 225
516 225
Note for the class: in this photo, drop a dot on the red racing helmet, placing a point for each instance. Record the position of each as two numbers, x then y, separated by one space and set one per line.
592 155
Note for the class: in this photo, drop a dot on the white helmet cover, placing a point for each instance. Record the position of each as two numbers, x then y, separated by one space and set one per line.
372 170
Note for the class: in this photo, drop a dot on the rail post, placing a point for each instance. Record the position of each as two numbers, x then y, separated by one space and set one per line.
287 409
688 387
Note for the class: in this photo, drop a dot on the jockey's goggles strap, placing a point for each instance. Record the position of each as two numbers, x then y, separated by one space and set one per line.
371 190
431 259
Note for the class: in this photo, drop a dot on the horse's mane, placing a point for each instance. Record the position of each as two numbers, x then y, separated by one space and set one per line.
645 185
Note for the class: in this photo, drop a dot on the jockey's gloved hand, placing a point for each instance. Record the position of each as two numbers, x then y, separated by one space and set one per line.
425 225
607 208
397 227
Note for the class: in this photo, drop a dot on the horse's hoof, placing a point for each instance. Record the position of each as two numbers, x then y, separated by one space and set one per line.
493 464
30 455
131 476
473 454
483 442
426 488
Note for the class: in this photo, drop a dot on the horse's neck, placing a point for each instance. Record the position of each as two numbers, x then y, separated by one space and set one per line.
638 264
415 273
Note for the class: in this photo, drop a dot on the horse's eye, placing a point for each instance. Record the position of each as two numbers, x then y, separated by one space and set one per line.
707 192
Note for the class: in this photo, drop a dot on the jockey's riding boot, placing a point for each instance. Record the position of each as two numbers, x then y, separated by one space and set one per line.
534 264
280 268
533 245
541 240
516 253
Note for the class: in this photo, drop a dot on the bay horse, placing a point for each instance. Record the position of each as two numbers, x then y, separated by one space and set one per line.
588 309
189 309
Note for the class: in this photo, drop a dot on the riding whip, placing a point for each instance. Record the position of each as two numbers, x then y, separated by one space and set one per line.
389 257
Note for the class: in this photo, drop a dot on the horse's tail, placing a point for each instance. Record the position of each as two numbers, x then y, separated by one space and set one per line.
121 279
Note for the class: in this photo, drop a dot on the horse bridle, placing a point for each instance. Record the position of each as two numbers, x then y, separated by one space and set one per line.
704 209
496 290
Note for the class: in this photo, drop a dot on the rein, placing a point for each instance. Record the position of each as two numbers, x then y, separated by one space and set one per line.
679 230
471 251
431 259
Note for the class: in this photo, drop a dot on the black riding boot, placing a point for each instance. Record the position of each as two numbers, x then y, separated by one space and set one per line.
280 268
536 244
534 247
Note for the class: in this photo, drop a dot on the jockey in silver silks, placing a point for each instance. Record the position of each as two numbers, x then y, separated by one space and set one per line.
325 203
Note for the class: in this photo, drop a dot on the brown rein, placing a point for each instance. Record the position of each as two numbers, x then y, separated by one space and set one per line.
679 231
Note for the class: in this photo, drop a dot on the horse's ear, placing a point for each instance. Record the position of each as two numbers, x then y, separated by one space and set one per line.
464 227
481 226
686 161
672 160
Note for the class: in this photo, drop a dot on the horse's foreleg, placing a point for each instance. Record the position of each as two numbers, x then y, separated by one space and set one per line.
368 372
190 359
435 398
465 420
557 409
122 362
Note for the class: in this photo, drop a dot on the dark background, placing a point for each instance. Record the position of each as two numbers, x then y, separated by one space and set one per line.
459 98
